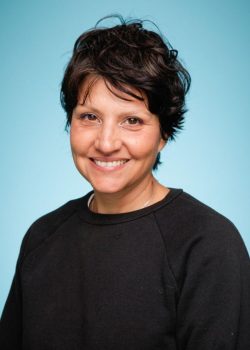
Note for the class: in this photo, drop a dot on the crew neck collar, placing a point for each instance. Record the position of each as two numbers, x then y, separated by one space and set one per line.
110 219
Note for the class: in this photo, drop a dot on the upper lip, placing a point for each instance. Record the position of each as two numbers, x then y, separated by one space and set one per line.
109 159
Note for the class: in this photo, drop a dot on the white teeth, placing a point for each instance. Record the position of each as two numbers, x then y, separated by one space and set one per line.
109 164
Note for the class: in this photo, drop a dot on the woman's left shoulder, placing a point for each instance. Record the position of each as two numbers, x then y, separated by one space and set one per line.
192 221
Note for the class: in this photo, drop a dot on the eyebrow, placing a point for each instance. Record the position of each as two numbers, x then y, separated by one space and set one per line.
85 105
130 113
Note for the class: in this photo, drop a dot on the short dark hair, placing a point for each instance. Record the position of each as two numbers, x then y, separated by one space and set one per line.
130 55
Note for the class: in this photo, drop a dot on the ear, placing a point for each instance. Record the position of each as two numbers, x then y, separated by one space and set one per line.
162 144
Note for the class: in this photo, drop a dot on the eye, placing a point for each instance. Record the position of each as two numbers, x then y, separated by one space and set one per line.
133 121
89 119
88 116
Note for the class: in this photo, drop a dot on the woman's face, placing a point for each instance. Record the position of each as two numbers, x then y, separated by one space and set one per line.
114 141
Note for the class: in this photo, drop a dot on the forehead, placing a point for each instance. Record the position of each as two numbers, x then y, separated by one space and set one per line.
94 85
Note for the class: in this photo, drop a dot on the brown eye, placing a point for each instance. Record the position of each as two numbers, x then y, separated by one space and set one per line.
88 117
134 121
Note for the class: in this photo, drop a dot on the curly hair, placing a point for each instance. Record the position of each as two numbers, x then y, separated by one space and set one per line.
128 55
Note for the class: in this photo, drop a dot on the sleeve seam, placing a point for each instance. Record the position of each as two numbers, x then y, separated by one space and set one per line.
165 248
52 231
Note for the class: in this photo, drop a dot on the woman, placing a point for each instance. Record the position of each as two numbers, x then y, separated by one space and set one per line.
133 264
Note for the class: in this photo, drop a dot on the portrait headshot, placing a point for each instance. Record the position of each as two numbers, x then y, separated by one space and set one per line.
125 168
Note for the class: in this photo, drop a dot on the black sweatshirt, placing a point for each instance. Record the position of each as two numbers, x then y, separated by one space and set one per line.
174 275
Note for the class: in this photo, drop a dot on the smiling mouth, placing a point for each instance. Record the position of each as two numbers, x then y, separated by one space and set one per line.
111 164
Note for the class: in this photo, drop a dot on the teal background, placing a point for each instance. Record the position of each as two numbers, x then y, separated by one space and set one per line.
210 158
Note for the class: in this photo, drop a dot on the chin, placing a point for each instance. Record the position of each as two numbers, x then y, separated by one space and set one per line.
107 188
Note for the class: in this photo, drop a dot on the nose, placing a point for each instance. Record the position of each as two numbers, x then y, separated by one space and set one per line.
108 139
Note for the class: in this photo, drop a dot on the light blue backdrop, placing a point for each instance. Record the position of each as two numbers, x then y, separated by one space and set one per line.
210 158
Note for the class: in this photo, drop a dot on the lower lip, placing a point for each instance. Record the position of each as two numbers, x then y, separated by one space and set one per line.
110 168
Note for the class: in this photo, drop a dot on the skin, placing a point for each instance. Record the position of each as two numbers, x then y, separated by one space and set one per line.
114 144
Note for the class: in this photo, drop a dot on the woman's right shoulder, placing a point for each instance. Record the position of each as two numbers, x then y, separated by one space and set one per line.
46 225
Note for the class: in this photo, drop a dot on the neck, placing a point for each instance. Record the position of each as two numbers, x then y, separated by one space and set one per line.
141 196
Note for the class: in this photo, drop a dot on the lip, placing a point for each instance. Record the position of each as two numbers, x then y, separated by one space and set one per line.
109 166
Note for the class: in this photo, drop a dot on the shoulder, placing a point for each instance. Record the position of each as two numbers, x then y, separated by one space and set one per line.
47 225
190 216
191 228
197 239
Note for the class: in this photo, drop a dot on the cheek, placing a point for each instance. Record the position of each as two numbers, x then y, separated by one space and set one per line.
79 141
74 142
144 148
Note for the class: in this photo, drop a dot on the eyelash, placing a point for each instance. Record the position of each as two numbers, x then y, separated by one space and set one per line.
92 118
83 116
138 120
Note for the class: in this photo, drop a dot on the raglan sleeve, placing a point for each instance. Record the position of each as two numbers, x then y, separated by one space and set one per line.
213 310
11 319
